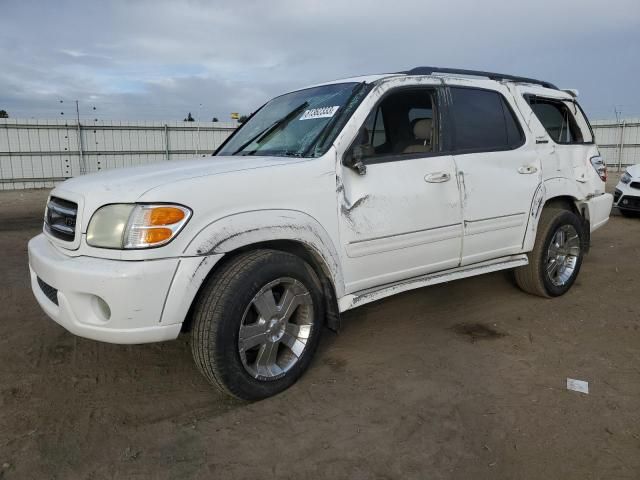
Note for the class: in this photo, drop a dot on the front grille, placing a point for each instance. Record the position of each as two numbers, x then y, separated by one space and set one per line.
629 203
635 185
60 220
616 195
50 292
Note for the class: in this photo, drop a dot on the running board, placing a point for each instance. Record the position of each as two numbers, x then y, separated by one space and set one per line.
372 294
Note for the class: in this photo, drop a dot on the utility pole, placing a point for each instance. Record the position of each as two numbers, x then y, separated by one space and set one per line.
617 113
83 168
621 125
198 130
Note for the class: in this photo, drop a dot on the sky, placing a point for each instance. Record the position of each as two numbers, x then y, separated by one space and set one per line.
159 60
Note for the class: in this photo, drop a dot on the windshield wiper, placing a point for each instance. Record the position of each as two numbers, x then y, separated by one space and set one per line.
271 129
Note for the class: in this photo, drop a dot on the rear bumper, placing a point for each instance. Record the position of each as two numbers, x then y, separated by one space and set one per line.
108 300
599 209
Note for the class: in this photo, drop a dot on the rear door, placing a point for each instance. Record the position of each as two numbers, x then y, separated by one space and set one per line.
498 171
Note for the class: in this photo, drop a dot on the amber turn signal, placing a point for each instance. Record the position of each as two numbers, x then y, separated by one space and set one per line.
157 235
165 216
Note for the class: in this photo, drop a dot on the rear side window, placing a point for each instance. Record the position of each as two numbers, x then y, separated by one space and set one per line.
563 120
483 121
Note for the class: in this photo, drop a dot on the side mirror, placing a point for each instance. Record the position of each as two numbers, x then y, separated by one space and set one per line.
353 157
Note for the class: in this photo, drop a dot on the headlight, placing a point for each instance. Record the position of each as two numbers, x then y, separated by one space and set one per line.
130 226
625 178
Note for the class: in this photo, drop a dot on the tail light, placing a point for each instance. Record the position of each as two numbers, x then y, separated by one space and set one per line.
600 167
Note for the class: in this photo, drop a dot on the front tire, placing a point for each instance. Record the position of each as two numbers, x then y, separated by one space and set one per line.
257 323
555 261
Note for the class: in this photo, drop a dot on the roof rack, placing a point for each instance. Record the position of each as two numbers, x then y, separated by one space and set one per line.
477 73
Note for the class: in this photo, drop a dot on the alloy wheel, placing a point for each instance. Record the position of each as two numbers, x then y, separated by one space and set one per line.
562 255
275 328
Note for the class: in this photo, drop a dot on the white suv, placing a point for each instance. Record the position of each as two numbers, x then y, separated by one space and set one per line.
326 199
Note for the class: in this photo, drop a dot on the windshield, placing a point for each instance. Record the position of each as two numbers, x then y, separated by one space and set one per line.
292 124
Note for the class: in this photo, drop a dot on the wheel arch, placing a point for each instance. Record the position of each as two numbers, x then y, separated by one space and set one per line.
562 193
565 202
288 231
565 193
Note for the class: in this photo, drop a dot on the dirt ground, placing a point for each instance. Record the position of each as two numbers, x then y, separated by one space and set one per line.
465 380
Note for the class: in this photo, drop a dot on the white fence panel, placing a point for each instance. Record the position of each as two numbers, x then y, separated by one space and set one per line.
618 141
41 153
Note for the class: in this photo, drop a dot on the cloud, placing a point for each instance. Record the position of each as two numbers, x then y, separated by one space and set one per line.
160 59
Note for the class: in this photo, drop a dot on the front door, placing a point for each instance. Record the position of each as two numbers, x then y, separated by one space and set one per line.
401 218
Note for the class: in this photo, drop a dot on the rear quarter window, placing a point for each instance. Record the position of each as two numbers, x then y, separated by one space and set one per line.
563 120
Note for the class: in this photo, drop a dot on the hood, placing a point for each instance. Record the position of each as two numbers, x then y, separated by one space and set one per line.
634 170
129 184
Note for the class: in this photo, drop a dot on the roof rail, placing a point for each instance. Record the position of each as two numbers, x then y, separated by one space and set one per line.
477 73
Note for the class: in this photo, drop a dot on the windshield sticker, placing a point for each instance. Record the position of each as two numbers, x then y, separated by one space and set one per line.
324 112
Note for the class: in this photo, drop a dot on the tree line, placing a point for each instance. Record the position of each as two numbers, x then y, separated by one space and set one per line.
189 118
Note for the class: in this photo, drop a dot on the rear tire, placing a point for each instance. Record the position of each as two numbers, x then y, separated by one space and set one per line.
556 258
257 323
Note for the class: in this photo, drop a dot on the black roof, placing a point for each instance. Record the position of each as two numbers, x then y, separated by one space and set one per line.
477 73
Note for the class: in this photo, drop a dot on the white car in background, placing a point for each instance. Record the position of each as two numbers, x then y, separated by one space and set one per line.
627 194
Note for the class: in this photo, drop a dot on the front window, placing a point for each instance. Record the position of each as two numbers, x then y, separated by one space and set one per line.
401 124
296 124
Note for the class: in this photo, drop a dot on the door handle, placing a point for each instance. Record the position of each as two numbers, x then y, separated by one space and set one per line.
437 177
527 169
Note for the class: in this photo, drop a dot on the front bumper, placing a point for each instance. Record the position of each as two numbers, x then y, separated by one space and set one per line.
108 300
627 197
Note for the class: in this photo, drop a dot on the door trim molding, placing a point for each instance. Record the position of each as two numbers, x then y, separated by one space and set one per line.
386 243
381 237
483 225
